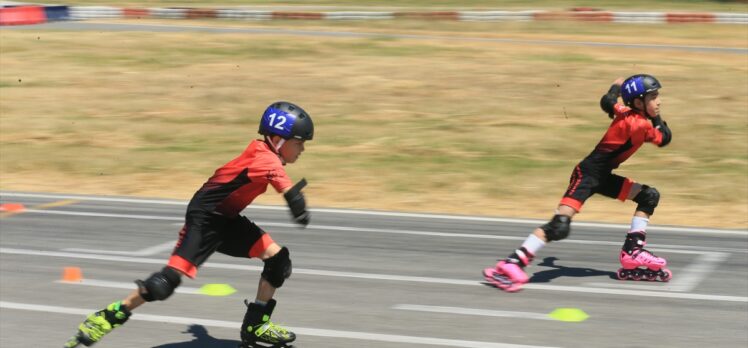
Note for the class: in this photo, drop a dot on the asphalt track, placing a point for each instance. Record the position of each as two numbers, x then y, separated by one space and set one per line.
365 279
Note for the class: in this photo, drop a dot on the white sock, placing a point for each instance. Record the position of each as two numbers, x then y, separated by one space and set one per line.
639 224
533 244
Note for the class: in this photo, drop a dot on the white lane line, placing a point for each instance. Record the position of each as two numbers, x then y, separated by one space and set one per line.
671 248
100 257
698 270
641 286
143 252
662 294
123 285
366 336
683 249
394 214
471 311
94 198
374 230
380 277
392 231
109 215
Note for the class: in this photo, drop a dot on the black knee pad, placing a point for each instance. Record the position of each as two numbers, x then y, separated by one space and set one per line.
160 285
277 268
558 228
648 198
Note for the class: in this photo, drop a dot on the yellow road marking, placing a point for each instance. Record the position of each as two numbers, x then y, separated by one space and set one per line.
40 206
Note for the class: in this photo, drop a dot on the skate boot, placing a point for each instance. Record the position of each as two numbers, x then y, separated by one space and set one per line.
638 263
259 332
507 276
99 324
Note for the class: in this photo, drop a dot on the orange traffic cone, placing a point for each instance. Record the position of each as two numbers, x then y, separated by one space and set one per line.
72 274
12 207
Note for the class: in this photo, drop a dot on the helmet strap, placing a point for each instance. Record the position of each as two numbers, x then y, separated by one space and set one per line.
279 145
276 147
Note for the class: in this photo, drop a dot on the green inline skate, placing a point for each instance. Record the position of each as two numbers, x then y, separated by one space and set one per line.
259 332
98 324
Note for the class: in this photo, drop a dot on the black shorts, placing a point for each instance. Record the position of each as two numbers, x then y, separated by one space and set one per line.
585 183
205 233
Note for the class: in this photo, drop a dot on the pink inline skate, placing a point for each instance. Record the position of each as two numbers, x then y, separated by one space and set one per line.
639 264
506 276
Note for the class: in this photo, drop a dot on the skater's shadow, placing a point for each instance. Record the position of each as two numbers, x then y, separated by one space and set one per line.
201 339
563 271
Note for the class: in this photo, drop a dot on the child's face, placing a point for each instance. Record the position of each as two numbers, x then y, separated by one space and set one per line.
652 103
291 150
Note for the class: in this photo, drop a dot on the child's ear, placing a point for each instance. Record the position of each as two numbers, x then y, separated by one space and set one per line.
639 103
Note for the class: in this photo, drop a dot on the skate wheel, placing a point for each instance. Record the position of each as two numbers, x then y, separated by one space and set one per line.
621 274
665 275
650 275
502 282
73 342
489 275
636 275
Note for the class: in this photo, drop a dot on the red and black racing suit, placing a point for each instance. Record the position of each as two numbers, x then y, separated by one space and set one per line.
628 131
212 221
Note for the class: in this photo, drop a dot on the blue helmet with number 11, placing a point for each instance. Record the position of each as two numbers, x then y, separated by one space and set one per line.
287 120
638 86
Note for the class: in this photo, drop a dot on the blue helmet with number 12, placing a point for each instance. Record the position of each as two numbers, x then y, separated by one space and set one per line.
287 120
638 86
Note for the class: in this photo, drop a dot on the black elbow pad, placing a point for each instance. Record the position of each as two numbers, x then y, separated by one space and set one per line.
610 99
606 103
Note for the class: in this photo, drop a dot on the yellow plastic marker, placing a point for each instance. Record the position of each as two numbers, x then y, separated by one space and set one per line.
217 289
569 314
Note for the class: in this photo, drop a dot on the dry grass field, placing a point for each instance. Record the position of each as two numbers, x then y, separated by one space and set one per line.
419 124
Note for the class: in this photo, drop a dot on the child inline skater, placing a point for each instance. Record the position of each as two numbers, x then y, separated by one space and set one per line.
634 123
213 223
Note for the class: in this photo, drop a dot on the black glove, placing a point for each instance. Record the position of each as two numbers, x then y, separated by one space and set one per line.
297 203
661 125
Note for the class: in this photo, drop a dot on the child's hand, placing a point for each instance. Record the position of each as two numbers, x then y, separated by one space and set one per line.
619 81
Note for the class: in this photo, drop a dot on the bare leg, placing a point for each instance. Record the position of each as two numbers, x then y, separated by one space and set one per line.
133 300
265 291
